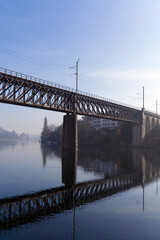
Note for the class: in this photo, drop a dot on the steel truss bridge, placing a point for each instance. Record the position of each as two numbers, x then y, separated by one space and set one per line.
24 90
28 208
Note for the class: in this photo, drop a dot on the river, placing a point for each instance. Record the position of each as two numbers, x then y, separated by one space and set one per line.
110 194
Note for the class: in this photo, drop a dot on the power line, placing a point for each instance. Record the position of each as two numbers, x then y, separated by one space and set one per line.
32 41
101 86
19 36
33 60
30 59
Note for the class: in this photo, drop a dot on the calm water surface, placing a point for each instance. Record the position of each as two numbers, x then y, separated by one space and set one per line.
114 194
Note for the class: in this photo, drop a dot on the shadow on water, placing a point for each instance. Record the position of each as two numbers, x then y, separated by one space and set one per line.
122 170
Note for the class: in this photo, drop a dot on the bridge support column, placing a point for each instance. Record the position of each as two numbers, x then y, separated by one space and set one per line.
70 132
137 135
138 132
69 150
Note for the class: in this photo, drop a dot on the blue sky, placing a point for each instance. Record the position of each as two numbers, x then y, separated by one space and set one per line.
118 43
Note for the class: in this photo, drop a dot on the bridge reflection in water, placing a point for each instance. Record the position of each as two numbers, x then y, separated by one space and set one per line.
29 208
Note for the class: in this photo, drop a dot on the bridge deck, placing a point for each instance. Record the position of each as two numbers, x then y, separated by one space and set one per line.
20 89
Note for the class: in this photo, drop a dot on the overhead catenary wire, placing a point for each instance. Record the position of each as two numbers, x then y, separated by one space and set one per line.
45 64
30 59
50 66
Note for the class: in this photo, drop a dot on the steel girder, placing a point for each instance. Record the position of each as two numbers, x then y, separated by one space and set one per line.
15 90
21 91
28 208
99 108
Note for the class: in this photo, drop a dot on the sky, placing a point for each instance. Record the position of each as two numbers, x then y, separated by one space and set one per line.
117 41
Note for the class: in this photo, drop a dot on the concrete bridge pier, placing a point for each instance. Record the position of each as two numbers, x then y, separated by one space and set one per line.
149 121
138 134
138 131
70 132
69 150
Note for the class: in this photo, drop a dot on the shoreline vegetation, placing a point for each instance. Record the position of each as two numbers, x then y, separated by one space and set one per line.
7 135
89 136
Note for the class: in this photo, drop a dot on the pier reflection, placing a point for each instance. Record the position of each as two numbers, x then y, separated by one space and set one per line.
69 167
121 172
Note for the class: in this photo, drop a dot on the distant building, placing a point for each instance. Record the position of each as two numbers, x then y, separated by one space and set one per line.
99 123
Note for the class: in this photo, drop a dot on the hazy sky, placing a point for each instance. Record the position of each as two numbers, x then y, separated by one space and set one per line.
117 41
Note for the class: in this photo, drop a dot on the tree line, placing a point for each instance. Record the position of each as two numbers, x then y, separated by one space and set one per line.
88 135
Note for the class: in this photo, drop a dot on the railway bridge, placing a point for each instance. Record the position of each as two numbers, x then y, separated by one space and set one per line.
23 90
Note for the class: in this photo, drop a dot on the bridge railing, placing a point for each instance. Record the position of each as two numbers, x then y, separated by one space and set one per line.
151 111
38 80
